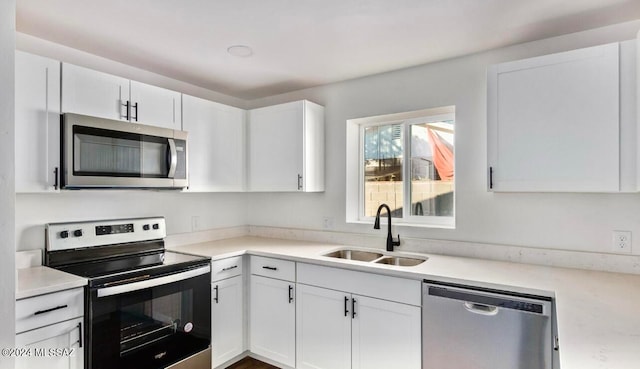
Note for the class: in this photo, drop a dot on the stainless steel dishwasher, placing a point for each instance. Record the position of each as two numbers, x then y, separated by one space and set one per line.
468 328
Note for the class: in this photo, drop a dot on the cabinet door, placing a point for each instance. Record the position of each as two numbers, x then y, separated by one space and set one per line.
216 145
227 339
55 346
323 328
272 320
156 106
275 142
554 122
385 335
89 92
37 122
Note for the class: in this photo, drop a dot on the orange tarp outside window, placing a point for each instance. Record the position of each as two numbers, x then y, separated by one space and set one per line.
442 155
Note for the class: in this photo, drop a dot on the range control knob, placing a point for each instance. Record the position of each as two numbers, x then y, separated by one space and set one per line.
145 227
77 233
156 226
64 234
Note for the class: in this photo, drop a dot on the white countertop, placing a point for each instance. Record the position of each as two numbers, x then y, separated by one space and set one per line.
40 280
598 313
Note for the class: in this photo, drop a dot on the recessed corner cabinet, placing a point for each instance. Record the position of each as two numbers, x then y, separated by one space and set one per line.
557 123
216 145
89 92
286 148
37 123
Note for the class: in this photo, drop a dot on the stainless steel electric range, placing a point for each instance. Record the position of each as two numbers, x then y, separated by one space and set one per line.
146 307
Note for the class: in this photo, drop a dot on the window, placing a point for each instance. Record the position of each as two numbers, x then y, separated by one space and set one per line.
405 161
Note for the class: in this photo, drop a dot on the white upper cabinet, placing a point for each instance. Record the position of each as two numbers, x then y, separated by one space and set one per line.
286 148
89 92
216 145
555 122
37 123
155 106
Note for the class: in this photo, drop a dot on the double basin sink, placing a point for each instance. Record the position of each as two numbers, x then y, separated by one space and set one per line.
376 257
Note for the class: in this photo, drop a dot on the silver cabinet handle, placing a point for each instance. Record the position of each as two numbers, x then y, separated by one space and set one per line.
299 182
290 293
217 291
269 268
229 268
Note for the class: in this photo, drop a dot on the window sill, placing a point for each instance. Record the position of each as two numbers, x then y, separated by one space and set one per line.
407 224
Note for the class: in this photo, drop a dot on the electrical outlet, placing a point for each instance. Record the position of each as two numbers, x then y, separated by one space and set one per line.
327 223
195 223
622 241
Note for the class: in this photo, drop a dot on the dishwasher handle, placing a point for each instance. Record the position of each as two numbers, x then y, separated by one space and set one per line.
481 309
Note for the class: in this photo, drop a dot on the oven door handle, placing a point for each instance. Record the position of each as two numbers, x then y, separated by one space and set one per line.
135 286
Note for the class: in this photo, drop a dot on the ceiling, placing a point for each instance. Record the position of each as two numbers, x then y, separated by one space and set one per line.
301 43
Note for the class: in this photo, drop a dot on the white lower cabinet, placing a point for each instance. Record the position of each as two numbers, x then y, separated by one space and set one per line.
272 320
56 346
227 338
323 328
385 334
340 328
50 330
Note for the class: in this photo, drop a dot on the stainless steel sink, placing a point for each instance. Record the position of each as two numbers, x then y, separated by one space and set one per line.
354 255
400 261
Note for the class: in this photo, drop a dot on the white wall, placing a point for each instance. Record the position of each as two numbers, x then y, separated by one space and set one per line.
557 221
214 210
7 174
34 210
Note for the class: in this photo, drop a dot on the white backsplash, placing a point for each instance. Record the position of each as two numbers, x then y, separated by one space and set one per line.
515 254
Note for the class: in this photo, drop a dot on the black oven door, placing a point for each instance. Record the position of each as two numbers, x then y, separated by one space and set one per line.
151 323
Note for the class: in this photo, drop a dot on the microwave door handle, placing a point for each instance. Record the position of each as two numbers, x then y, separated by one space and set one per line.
173 158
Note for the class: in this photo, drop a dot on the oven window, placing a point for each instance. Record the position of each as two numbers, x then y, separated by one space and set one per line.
150 328
152 320
101 152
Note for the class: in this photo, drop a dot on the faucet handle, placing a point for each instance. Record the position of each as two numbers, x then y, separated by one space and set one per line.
396 243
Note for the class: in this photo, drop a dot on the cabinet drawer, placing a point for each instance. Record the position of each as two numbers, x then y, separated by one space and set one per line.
47 309
226 268
274 268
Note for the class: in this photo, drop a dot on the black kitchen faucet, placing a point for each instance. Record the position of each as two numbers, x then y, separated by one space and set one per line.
390 242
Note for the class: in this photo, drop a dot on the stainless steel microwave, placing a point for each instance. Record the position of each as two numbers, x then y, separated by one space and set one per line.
104 153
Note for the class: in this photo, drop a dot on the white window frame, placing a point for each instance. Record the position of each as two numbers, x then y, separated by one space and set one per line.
355 162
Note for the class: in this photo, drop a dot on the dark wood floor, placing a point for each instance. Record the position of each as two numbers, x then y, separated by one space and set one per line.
251 363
